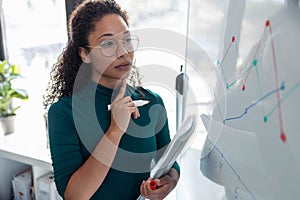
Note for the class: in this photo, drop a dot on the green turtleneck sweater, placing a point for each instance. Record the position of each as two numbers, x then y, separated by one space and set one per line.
78 122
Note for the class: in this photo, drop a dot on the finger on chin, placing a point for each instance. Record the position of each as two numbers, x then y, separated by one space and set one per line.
122 90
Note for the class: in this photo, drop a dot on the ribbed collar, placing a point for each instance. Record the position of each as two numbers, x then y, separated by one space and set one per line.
102 90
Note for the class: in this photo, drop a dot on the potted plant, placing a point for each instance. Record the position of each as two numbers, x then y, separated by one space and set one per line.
8 73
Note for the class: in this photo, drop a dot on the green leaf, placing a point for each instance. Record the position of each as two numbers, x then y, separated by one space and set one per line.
2 77
8 73
2 65
15 69
19 93
14 110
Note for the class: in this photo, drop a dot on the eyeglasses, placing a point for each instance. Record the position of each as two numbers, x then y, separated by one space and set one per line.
109 47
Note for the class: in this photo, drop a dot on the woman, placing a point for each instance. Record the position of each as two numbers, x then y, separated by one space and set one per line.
110 157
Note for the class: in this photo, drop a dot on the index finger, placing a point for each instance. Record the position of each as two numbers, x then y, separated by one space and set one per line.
121 92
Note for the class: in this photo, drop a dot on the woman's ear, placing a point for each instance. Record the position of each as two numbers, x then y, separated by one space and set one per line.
84 54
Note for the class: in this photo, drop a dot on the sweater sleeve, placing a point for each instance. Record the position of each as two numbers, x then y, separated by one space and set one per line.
64 144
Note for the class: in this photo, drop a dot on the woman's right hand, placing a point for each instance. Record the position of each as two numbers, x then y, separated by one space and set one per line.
121 110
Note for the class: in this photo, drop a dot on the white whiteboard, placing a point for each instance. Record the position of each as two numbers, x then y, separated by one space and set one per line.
253 137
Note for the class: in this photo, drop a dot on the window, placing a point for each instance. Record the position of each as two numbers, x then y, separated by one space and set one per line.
157 14
36 33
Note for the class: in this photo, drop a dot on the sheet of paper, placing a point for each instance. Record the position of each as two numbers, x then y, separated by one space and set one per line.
178 145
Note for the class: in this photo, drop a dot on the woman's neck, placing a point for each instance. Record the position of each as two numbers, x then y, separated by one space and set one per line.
108 83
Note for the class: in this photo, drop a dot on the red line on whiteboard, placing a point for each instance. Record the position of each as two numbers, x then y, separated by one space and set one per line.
282 134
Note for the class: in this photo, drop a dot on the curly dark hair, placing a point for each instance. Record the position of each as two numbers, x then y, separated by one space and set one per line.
81 23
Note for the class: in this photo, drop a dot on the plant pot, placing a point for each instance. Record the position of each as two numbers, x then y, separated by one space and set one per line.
8 124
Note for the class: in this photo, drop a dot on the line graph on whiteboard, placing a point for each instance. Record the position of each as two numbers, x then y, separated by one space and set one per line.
243 76
257 153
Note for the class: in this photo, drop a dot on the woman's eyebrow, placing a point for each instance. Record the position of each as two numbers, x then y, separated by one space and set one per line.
110 34
104 35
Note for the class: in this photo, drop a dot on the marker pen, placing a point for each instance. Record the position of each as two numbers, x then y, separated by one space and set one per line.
137 103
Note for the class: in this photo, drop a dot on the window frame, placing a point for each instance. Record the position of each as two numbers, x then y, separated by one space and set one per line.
3 46
70 5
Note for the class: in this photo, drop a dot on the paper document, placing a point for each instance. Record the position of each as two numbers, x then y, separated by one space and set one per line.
178 145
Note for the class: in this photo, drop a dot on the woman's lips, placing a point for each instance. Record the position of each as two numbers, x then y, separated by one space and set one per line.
124 67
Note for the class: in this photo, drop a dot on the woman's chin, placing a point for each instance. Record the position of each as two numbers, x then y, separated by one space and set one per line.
126 73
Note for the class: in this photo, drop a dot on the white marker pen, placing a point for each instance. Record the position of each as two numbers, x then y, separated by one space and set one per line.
137 103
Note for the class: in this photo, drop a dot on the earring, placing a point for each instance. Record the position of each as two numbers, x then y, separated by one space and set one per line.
135 77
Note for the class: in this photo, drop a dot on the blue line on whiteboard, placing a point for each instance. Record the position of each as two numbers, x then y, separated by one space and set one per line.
282 87
234 171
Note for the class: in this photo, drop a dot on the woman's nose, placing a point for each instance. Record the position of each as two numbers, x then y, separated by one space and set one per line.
121 50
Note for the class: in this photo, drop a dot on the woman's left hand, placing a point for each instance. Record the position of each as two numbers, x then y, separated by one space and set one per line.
164 186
